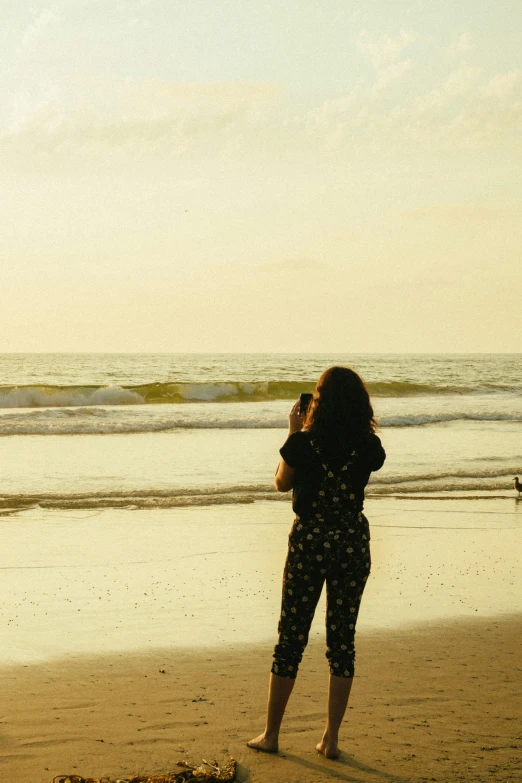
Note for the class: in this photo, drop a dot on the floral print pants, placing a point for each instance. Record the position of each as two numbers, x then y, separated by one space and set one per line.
338 553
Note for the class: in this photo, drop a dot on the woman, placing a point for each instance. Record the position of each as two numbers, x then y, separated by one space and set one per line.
327 460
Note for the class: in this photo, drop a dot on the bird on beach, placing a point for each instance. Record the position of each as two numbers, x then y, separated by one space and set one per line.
518 485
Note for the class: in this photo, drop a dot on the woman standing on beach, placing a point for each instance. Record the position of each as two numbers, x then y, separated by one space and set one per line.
327 459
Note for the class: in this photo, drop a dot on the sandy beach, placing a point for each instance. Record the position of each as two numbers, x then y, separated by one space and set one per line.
434 703
135 639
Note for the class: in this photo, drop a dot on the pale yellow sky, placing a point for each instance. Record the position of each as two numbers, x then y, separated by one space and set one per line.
222 176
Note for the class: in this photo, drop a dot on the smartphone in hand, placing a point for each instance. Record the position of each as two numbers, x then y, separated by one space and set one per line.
304 402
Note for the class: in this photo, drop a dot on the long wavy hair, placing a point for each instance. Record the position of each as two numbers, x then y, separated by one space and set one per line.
340 414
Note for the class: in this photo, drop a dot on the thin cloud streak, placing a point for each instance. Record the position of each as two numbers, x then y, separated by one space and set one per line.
462 112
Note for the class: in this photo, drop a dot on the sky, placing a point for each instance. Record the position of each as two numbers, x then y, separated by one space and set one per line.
252 175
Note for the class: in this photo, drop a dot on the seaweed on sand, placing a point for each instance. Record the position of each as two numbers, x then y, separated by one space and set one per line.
204 772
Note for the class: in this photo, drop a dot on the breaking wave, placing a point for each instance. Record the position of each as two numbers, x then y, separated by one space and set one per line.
66 396
46 396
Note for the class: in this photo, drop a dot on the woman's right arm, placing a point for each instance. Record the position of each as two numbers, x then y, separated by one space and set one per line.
284 477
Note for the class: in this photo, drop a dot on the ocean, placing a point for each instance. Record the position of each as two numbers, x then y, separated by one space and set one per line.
138 506
140 431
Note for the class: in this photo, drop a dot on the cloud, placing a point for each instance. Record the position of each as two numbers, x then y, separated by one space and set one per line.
383 53
463 43
495 111
391 74
174 114
461 80
385 49
37 29
502 86
42 107
459 108
428 112
467 109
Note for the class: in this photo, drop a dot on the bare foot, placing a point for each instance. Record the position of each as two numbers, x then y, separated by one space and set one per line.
328 748
263 743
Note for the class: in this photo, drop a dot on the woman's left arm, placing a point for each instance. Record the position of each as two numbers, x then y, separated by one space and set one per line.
378 455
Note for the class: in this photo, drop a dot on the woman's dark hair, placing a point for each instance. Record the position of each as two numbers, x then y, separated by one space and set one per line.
340 414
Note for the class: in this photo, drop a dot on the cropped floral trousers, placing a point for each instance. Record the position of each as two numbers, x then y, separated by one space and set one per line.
337 553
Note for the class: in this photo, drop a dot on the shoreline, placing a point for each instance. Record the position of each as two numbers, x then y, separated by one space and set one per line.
437 701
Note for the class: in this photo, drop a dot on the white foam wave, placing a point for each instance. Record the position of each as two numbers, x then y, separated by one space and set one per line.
207 496
238 494
493 473
99 420
33 397
449 485
208 392
438 418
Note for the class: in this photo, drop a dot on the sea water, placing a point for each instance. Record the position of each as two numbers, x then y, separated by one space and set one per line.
165 430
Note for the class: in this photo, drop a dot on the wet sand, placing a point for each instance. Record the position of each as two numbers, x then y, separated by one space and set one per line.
432 703
134 639
120 580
